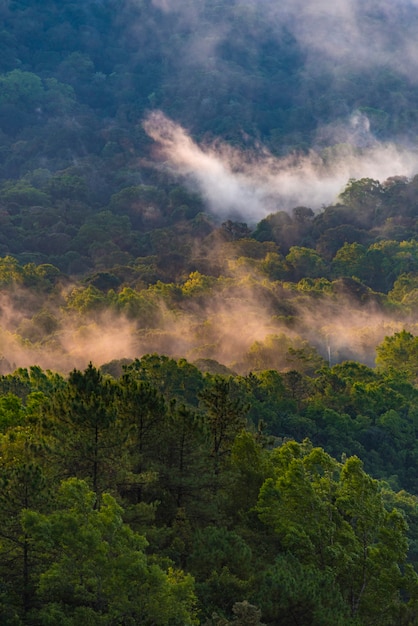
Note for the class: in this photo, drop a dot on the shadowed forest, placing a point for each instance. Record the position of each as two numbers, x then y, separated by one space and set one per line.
208 328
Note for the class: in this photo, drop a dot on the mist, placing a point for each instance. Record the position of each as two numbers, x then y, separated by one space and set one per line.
224 325
251 185
353 34
356 34
334 40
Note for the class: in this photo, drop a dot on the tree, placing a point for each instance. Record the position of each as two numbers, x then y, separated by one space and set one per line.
350 260
305 262
248 470
21 92
143 408
235 230
197 285
405 289
24 195
95 569
86 432
386 260
399 352
279 352
349 532
182 454
371 580
220 561
225 415
11 272
137 307
245 614
365 197
86 300
178 380
25 482
290 592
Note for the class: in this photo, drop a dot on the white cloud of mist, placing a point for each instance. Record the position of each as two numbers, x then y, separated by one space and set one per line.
341 330
222 327
346 33
74 344
338 38
250 186
356 33
208 332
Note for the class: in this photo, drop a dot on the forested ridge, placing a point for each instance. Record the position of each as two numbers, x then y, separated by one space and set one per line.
208 332
152 493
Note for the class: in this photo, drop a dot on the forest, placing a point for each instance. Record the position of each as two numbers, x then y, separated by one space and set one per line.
208 329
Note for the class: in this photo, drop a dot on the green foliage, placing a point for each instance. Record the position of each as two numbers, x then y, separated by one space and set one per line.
179 379
248 515
400 352
349 260
279 352
305 262
25 481
361 194
249 467
11 412
21 89
225 414
23 194
136 306
87 404
205 465
96 568
86 299
197 284
350 535
10 271
290 591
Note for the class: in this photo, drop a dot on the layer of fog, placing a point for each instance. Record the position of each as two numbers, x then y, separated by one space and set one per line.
356 33
252 185
350 34
222 326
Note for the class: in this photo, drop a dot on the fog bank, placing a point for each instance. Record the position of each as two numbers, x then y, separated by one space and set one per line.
250 185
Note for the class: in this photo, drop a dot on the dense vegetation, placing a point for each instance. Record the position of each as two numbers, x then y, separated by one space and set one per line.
165 496
264 471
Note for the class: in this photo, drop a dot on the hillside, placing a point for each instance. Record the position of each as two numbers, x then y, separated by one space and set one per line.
163 165
208 331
